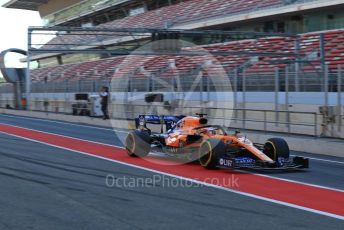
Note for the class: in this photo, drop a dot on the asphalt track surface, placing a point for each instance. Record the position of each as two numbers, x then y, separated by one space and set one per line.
43 187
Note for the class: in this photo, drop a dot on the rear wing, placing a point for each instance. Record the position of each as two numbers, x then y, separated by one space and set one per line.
167 120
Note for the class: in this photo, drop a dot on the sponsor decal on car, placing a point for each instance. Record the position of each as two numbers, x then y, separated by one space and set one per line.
225 162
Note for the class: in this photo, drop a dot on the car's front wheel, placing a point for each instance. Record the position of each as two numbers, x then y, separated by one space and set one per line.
275 148
209 152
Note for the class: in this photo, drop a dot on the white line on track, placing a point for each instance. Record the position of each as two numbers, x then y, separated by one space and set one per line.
320 159
60 135
122 131
191 180
121 147
65 123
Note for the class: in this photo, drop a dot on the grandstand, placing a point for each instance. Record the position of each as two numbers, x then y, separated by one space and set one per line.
309 45
298 42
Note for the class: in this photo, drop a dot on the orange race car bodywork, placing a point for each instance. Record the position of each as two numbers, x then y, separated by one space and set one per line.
213 145
191 126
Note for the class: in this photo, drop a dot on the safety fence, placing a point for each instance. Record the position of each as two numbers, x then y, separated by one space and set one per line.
278 80
307 123
281 86
291 122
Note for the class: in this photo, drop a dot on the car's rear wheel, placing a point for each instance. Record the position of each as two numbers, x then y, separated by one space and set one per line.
209 152
138 144
275 148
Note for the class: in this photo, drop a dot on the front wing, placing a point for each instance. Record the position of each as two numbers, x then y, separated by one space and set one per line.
249 163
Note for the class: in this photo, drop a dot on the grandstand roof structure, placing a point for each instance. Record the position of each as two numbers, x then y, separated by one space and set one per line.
25 4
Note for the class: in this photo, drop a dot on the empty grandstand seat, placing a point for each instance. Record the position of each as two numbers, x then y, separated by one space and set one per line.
120 66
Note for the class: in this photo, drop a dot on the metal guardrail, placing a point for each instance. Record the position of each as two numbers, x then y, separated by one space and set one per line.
69 86
240 82
279 121
247 119
280 84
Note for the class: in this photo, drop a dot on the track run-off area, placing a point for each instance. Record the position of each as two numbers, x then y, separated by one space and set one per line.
62 175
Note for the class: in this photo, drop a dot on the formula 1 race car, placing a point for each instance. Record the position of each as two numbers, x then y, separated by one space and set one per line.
214 146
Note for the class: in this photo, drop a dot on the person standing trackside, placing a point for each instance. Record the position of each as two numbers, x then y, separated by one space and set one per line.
104 94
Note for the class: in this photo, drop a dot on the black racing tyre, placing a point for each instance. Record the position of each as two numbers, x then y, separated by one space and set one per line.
138 144
209 152
275 148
